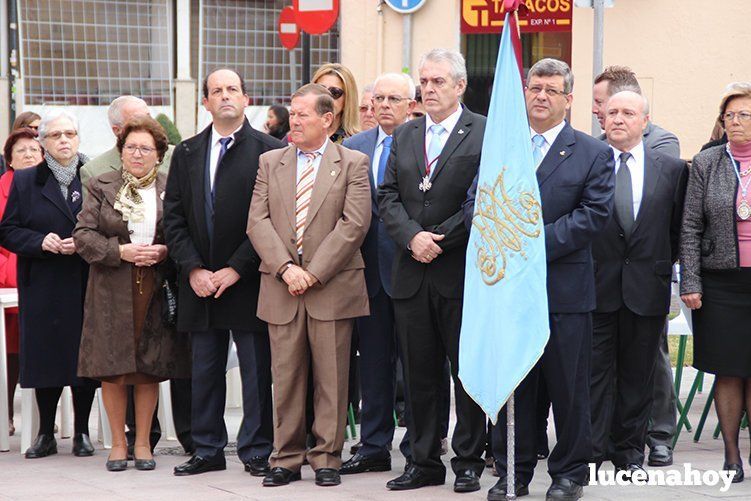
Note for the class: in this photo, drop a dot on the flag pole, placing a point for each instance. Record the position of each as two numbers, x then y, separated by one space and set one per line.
510 441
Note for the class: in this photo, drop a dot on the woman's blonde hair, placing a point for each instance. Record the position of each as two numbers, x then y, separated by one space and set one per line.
350 120
732 91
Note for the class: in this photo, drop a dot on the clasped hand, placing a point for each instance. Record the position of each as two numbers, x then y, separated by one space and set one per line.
56 245
206 283
143 254
424 247
298 280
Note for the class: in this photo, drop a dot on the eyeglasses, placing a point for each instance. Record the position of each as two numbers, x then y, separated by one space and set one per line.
391 99
131 149
336 92
365 109
743 116
70 134
536 90
28 149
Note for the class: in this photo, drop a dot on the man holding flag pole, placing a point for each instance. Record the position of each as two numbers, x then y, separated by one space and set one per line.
529 287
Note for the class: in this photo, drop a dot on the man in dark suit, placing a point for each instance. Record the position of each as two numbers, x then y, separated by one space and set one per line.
433 161
634 259
392 98
206 205
662 427
575 175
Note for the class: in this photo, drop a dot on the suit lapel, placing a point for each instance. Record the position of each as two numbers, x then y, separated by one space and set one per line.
418 145
161 184
286 176
51 191
462 129
370 148
109 190
328 171
196 163
652 172
559 151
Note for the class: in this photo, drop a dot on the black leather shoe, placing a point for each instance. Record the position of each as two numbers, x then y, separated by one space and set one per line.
145 464
414 478
630 469
116 464
258 466
355 448
328 477
407 464
43 446
498 491
660 455
82 446
467 481
197 464
564 489
360 464
280 476
738 468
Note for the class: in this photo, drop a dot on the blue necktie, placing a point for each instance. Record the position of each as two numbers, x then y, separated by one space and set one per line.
385 152
435 147
224 145
538 142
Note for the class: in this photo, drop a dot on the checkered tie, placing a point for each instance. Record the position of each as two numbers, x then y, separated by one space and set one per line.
302 198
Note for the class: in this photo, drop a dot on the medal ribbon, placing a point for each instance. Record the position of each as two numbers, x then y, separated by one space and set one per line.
737 170
428 165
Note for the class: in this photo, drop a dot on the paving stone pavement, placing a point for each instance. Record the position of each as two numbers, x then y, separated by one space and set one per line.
64 477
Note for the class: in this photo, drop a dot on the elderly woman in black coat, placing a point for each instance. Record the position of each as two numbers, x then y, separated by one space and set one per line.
37 225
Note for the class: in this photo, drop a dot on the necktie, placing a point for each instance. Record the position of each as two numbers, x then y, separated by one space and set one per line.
385 152
435 147
538 142
624 196
302 197
223 146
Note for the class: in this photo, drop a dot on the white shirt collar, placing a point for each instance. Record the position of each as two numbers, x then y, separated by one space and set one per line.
319 150
215 136
448 123
381 136
550 135
637 152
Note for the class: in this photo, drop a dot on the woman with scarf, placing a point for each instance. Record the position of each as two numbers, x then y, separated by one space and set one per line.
39 217
126 340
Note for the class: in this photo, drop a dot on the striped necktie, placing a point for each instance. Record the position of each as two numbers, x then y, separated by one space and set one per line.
302 198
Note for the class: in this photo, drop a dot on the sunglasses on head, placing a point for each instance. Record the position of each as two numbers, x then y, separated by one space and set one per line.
336 92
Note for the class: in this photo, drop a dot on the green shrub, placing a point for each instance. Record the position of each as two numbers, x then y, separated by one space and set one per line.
173 136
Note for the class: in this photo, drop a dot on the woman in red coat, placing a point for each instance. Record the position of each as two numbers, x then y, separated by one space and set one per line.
22 150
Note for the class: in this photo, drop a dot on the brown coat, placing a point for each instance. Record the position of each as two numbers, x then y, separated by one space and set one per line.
338 219
107 342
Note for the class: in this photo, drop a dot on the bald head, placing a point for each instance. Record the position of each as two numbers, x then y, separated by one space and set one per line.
387 90
626 117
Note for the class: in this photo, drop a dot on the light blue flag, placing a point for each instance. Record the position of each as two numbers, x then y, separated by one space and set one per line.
505 316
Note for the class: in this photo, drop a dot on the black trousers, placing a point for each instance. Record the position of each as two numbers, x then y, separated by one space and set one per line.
564 366
376 343
209 387
180 393
624 354
428 326
663 418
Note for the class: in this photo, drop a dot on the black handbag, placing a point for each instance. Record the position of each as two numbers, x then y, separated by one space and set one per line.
169 304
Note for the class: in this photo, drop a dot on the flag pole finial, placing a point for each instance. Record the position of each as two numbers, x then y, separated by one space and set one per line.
512 5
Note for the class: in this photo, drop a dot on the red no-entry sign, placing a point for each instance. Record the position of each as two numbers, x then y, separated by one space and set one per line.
316 16
289 31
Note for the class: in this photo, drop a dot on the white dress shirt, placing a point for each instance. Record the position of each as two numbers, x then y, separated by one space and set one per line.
377 153
302 161
143 232
550 136
635 165
448 123
216 148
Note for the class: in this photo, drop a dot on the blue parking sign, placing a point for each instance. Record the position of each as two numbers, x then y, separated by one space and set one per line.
405 6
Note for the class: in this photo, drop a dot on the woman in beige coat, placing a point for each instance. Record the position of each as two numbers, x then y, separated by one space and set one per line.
125 340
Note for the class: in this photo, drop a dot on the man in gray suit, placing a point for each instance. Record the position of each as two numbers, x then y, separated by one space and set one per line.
662 426
121 110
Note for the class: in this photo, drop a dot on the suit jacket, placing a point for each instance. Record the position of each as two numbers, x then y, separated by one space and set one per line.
378 249
338 218
110 161
190 243
51 286
636 272
406 210
658 139
576 180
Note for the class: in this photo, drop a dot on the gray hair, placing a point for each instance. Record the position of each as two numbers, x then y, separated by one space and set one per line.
368 88
399 76
550 67
55 114
645 101
452 57
115 111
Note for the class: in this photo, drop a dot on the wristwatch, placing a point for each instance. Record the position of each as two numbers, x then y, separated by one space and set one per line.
284 268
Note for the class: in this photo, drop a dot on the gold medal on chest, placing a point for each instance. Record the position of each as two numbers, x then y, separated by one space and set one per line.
743 210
